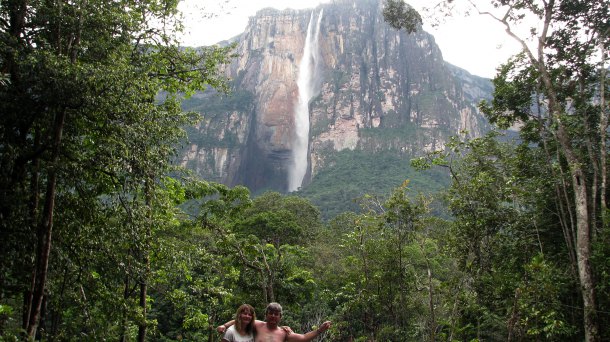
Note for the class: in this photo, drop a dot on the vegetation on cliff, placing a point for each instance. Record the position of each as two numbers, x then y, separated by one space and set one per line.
354 174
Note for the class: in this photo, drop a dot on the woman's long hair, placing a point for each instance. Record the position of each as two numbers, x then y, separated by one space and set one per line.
249 328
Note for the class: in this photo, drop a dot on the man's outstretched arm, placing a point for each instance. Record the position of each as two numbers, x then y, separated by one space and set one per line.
310 335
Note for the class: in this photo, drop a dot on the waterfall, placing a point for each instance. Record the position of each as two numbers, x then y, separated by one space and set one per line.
305 83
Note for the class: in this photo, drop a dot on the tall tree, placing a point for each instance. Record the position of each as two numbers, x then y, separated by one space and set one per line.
562 74
556 90
79 75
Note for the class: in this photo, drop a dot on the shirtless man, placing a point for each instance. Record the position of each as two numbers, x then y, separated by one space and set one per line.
270 331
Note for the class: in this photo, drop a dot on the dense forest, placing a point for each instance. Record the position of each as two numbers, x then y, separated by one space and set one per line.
103 238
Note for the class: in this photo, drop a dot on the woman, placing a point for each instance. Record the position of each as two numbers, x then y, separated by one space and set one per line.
243 329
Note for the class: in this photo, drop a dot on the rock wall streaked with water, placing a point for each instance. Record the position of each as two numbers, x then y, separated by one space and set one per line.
374 88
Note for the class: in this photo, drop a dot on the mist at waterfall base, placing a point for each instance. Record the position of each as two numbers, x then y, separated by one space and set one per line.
306 85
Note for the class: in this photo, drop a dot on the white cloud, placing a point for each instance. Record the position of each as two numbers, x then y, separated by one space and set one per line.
229 19
475 43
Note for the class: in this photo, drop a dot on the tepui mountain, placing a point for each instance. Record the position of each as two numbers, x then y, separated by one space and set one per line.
310 84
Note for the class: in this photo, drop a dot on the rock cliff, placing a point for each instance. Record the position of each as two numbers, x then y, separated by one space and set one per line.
372 88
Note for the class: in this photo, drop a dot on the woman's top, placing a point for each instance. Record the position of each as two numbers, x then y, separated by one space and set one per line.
232 335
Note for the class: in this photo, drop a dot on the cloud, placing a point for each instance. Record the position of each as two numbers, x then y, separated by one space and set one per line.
476 43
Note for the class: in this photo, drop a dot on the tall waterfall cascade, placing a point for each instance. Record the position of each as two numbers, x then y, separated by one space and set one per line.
305 83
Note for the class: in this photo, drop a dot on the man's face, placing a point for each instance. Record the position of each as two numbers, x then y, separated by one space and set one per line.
273 316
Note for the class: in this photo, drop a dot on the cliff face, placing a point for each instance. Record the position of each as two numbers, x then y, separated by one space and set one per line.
372 88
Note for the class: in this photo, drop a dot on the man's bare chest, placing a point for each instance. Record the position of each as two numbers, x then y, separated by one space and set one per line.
270 336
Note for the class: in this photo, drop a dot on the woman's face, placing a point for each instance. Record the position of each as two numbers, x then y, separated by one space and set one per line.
245 317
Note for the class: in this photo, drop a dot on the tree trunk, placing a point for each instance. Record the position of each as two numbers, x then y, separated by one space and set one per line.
583 227
123 335
146 256
142 325
583 254
583 223
603 117
432 325
268 274
581 194
33 219
45 230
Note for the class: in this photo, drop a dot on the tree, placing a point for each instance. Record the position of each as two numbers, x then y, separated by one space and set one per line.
81 118
265 241
393 280
562 76
193 282
555 90
401 15
270 240
501 200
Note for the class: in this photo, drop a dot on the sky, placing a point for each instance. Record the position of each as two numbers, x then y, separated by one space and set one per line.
476 43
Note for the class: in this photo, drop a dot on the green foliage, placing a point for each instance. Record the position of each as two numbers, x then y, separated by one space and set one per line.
216 110
214 104
499 196
513 94
85 136
601 261
389 270
552 91
85 147
401 15
538 304
352 174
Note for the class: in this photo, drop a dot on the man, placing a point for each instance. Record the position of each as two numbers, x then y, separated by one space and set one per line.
270 331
